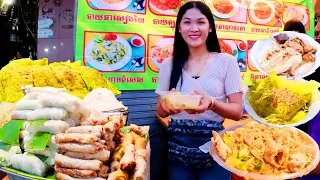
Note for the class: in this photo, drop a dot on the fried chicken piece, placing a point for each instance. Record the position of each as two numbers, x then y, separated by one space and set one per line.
275 154
294 45
297 162
299 41
309 48
309 57
223 150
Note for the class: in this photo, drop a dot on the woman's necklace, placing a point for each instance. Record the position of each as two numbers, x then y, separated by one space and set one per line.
197 75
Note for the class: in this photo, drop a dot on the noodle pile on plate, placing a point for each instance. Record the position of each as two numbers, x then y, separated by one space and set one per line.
265 150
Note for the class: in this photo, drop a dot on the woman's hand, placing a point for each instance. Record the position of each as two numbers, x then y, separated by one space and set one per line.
205 103
164 110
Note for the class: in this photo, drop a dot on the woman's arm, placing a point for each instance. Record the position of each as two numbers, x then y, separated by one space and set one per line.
232 109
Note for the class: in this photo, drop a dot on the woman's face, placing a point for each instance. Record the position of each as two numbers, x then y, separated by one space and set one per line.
194 28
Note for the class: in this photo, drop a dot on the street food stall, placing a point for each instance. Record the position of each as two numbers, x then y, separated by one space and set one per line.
78 120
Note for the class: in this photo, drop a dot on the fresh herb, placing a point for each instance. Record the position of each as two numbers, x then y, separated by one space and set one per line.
258 166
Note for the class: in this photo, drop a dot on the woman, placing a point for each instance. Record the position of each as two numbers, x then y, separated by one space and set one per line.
198 66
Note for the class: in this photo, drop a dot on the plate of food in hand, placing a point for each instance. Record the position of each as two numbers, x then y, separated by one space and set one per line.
256 151
108 52
262 12
111 4
279 102
286 53
225 8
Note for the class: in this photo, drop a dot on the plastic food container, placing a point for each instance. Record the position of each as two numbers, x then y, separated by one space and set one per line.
247 175
180 100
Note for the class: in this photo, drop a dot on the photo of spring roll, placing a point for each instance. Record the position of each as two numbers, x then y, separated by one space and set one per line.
76 173
50 126
81 148
76 138
102 155
29 164
103 173
85 129
127 162
118 175
48 113
72 163
61 176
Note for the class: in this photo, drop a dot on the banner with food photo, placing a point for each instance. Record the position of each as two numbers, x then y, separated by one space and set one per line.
127 40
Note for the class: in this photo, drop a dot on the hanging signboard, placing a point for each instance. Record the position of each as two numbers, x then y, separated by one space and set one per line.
127 40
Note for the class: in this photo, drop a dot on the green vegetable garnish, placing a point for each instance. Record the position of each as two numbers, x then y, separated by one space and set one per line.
39 141
10 131
258 166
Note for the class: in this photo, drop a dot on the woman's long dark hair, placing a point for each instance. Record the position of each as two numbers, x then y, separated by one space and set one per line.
294 25
180 47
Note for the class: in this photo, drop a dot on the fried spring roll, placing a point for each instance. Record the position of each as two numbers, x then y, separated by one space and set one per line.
118 175
127 162
72 163
114 166
76 138
76 173
85 129
140 171
61 176
103 173
139 142
102 155
83 148
139 130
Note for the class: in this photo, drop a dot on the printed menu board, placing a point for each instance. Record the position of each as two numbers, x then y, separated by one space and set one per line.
127 40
